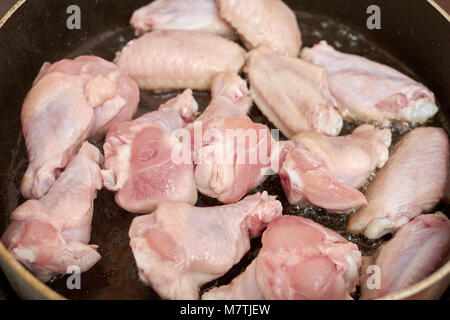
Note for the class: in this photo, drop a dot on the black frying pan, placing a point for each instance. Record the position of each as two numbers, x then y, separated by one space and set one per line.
414 38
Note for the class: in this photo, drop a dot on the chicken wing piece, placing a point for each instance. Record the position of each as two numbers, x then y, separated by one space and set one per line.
50 236
231 152
327 171
140 162
70 101
292 94
230 98
416 251
412 181
299 260
56 119
179 247
113 95
176 59
370 91
270 23
196 15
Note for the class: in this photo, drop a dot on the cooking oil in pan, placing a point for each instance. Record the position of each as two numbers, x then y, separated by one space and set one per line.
115 276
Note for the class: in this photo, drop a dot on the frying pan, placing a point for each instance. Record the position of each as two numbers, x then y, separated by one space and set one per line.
414 38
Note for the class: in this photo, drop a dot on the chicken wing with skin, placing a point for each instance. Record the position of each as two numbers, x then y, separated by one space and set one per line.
412 181
299 260
292 94
327 171
415 252
55 107
177 59
231 152
179 247
51 235
269 23
196 15
370 91
70 101
230 98
139 158
113 95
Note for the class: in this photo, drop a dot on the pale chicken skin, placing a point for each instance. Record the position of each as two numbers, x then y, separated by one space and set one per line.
179 247
370 91
269 23
139 163
177 59
231 152
196 15
416 251
292 94
113 94
229 98
299 260
412 181
70 101
327 171
51 235
56 119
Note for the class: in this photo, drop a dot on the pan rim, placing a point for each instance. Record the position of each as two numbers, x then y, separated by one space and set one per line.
16 267
10 12
440 9
7 260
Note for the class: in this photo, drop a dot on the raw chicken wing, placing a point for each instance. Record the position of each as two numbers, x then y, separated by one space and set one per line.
50 236
270 23
139 158
179 247
196 15
370 91
292 94
327 171
113 95
299 260
176 59
416 251
411 182
70 101
231 152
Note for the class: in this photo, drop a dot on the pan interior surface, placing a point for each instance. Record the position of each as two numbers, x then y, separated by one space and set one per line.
115 276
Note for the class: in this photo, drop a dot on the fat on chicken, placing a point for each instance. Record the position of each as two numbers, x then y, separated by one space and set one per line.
144 162
292 94
416 251
412 181
328 171
180 247
50 235
370 91
70 101
177 59
196 15
269 23
232 154
299 260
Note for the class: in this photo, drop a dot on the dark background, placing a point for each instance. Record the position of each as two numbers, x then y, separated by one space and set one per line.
6 291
